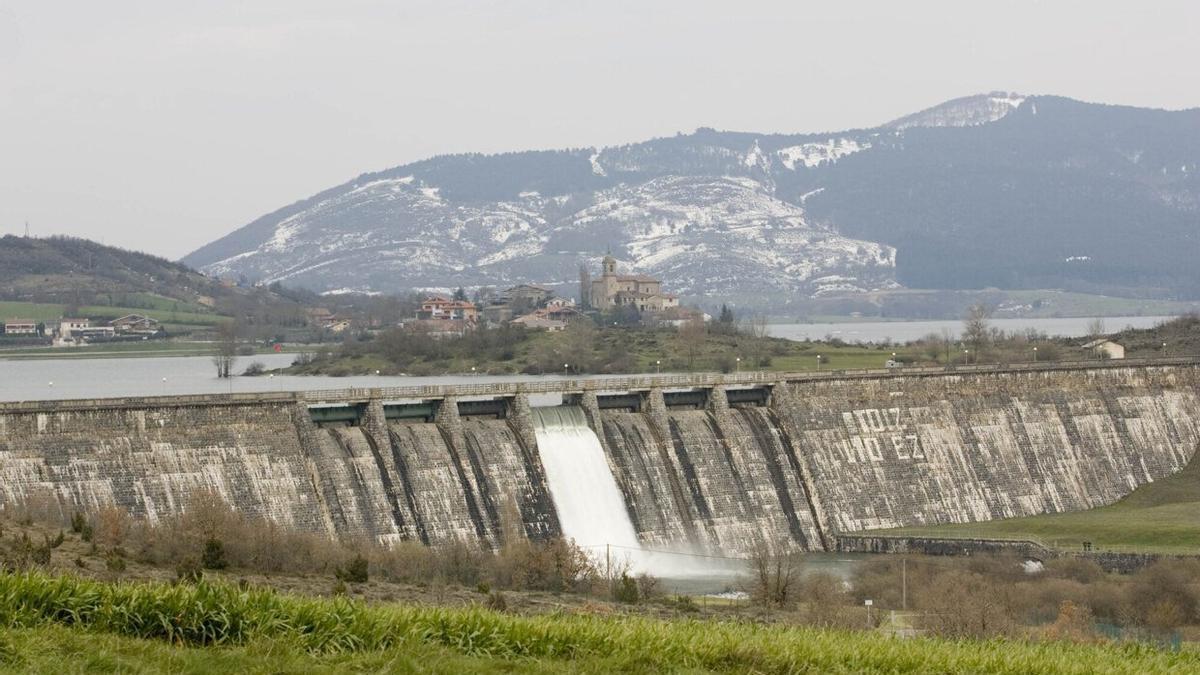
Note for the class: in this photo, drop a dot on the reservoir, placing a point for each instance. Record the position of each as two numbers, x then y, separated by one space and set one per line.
907 331
48 379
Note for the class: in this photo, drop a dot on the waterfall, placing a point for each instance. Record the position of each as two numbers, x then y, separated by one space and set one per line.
590 507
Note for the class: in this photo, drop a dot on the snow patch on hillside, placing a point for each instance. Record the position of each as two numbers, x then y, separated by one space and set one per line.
814 154
594 159
964 112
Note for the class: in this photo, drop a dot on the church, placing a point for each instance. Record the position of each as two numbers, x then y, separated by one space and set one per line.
642 292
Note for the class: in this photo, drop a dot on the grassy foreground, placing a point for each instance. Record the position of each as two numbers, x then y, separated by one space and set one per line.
54 624
1162 517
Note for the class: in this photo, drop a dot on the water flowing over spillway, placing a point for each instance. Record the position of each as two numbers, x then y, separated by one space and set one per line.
590 506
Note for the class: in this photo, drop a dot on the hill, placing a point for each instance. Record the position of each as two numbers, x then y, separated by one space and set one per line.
991 191
44 278
71 271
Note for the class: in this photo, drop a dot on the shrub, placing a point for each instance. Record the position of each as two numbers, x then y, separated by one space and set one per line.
626 590
114 563
496 602
355 571
213 557
188 571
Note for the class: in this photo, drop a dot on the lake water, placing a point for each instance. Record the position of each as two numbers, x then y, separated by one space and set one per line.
906 331
45 379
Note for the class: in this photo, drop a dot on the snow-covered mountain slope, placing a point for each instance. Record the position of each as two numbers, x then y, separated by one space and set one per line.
708 235
951 197
963 112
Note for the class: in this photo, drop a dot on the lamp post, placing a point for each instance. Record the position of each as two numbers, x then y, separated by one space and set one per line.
658 366
966 356
565 371
164 381
737 364
818 362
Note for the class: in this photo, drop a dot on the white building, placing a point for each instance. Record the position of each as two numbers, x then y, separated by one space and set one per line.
1105 349
68 327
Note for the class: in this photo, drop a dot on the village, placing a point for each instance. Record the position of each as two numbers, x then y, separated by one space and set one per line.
76 331
630 298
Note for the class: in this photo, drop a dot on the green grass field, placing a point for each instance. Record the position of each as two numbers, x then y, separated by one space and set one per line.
1163 516
187 315
63 624
147 348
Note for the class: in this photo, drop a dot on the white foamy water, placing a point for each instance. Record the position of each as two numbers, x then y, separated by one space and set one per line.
591 509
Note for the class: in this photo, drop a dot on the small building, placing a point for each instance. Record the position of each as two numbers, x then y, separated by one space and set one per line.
438 328
94 333
526 296
318 316
441 308
68 327
1105 349
20 327
338 325
134 323
535 321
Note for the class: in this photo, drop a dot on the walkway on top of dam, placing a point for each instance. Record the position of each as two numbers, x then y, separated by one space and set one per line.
597 383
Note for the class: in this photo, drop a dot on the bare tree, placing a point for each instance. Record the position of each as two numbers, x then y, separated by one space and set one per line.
774 572
947 342
1095 328
690 337
585 287
975 328
226 349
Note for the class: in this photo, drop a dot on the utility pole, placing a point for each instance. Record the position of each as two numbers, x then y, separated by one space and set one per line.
904 584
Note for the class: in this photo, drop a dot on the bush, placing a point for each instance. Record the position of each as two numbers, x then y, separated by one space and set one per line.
254 369
626 590
355 571
213 557
188 571
114 563
496 602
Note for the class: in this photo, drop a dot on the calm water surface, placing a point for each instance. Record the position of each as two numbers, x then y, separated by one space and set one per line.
906 331
44 379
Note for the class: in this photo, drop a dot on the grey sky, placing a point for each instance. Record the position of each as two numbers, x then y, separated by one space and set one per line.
161 125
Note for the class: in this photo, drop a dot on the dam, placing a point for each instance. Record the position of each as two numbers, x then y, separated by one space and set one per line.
705 463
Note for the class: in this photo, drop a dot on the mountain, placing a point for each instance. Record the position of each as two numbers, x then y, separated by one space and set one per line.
997 190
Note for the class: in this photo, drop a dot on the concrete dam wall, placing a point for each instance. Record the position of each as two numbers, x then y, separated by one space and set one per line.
702 462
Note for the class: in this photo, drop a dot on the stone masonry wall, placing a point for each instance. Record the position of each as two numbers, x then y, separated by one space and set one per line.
825 457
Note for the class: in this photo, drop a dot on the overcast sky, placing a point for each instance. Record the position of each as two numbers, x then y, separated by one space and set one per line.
161 125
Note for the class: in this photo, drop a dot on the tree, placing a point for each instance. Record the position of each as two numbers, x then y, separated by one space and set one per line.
691 336
726 316
975 328
460 294
774 570
226 348
585 287
1095 328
